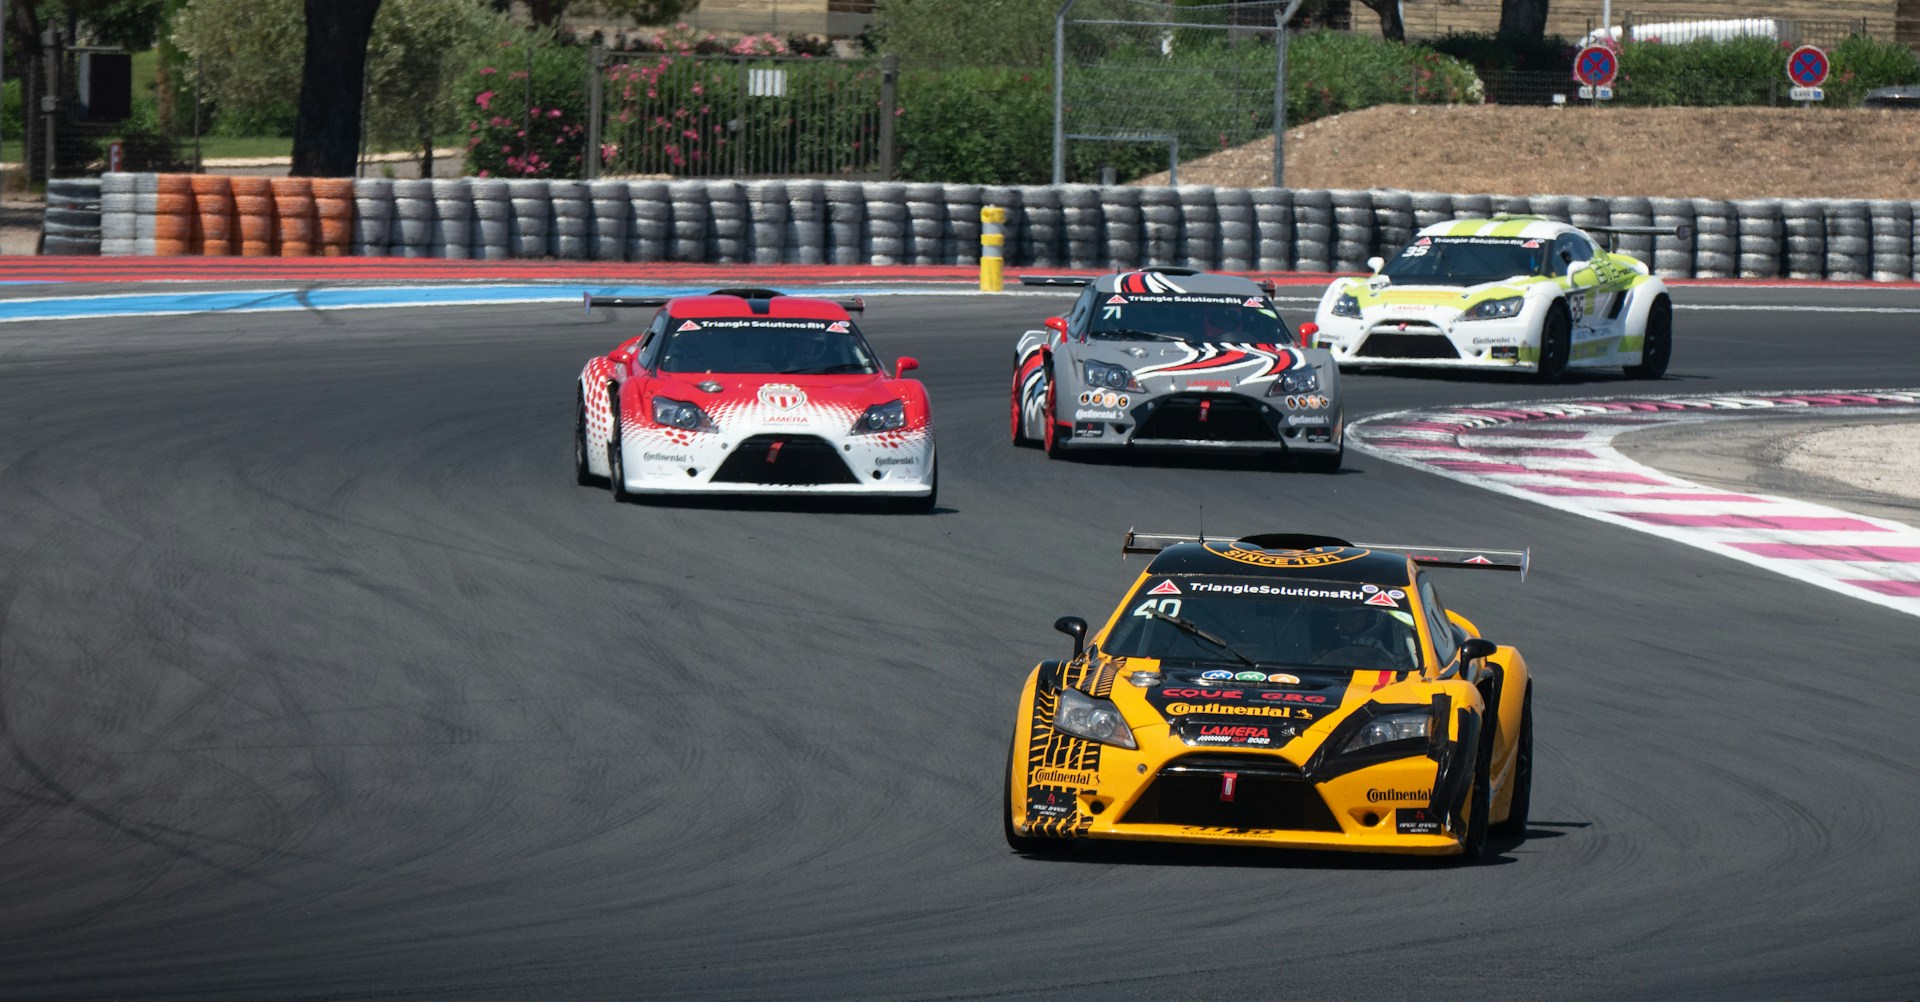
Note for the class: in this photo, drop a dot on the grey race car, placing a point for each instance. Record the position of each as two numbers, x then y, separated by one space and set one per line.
1175 358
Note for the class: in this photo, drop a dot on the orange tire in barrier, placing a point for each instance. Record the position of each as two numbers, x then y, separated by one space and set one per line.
253 215
170 248
173 214
173 227
293 216
174 184
333 205
214 226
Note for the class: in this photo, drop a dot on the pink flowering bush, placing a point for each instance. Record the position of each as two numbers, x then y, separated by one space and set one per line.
529 111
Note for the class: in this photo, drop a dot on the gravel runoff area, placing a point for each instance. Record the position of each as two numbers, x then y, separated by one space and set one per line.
1867 467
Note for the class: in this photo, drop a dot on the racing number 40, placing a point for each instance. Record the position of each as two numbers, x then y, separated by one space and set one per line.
1169 606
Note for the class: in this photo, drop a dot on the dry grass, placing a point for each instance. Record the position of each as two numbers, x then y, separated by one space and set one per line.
1670 152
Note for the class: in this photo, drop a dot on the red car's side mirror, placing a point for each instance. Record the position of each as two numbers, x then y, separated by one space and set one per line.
906 364
626 351
1058 325
1307 331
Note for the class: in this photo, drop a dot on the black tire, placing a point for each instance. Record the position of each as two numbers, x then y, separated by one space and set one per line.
1556 344
1017 420
616 465
582 473
1479 801
1656 349
1029 845
1515 826
1321 462
1053 437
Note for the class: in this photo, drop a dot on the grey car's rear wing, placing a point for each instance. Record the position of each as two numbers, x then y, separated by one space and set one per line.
857 304
1425 556
1266 284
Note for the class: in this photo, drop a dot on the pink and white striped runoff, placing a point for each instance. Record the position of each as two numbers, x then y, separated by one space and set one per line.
1559 453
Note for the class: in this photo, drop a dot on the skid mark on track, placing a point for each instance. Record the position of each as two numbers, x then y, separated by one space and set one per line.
1499 447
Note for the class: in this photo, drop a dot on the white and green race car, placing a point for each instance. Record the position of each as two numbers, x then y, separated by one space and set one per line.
1521 293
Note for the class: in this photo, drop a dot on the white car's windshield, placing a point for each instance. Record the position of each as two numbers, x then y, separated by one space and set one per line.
1467 260
1268 622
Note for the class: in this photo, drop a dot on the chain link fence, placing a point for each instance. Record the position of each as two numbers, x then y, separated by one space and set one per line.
668 114
1191 80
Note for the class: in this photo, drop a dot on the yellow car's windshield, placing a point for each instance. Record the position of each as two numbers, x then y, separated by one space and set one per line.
1234 620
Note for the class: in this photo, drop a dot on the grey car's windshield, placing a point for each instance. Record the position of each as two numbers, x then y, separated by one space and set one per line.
1193 318
1315 623
765 345
1467 260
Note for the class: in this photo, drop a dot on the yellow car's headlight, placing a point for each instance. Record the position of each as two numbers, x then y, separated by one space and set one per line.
1099 720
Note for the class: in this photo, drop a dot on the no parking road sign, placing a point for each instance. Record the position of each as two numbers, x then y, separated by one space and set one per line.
1807 67
1595 67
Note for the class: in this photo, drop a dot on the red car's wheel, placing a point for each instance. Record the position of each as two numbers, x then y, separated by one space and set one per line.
1019 433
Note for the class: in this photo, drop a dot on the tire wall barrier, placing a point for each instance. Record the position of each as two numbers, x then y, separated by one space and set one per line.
72 221
806 222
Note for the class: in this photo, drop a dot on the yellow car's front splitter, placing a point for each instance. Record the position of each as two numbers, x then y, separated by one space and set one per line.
1388 842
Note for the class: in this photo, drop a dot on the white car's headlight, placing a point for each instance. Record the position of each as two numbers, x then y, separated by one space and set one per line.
1346 306
1495 309
678 414
1099 720
889 416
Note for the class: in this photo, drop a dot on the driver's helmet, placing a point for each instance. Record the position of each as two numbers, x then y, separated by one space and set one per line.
1222 321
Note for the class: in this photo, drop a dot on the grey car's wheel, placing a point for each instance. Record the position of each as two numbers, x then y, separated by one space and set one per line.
1515 826
1556 345
1656 347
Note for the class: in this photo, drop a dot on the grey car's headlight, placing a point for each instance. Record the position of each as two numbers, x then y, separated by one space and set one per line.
1495 309
1099 720
1295 381
678 414
1346 306
1112 377
1388 727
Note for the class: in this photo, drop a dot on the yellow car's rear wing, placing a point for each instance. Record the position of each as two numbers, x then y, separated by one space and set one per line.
1426 556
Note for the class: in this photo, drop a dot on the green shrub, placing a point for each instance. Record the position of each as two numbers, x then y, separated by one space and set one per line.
10 111
995 126
1753 71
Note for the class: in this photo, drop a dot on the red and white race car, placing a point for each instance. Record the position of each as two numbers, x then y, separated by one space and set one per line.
748 391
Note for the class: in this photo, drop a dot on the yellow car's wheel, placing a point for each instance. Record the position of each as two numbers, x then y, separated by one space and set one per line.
1515 826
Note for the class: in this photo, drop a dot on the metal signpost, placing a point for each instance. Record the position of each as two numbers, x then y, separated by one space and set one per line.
1595 67
1807 67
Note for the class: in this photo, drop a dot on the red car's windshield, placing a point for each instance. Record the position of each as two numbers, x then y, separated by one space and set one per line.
772 345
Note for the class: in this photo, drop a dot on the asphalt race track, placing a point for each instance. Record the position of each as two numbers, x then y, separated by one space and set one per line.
320 679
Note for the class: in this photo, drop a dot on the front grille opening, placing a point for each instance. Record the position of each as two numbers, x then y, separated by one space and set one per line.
1228 418
1392 344
1267 794
786 460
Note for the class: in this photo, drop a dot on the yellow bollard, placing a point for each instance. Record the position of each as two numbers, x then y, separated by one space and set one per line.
992 238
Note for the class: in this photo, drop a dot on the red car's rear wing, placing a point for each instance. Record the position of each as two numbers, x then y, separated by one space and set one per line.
857 304
1425 556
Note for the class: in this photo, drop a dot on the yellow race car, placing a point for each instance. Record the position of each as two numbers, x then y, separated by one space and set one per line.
1278 690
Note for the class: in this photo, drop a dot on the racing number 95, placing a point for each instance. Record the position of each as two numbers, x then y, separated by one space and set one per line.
1168 606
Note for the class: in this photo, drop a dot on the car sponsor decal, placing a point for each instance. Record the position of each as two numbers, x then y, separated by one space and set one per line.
1197 732
1319 556
1416 821
1066 777
1096 398
1116 299
1253 304
1381 598
839 327
1217 675
1166 587
1216 699
688 326
782 396
1053 754
1045 804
